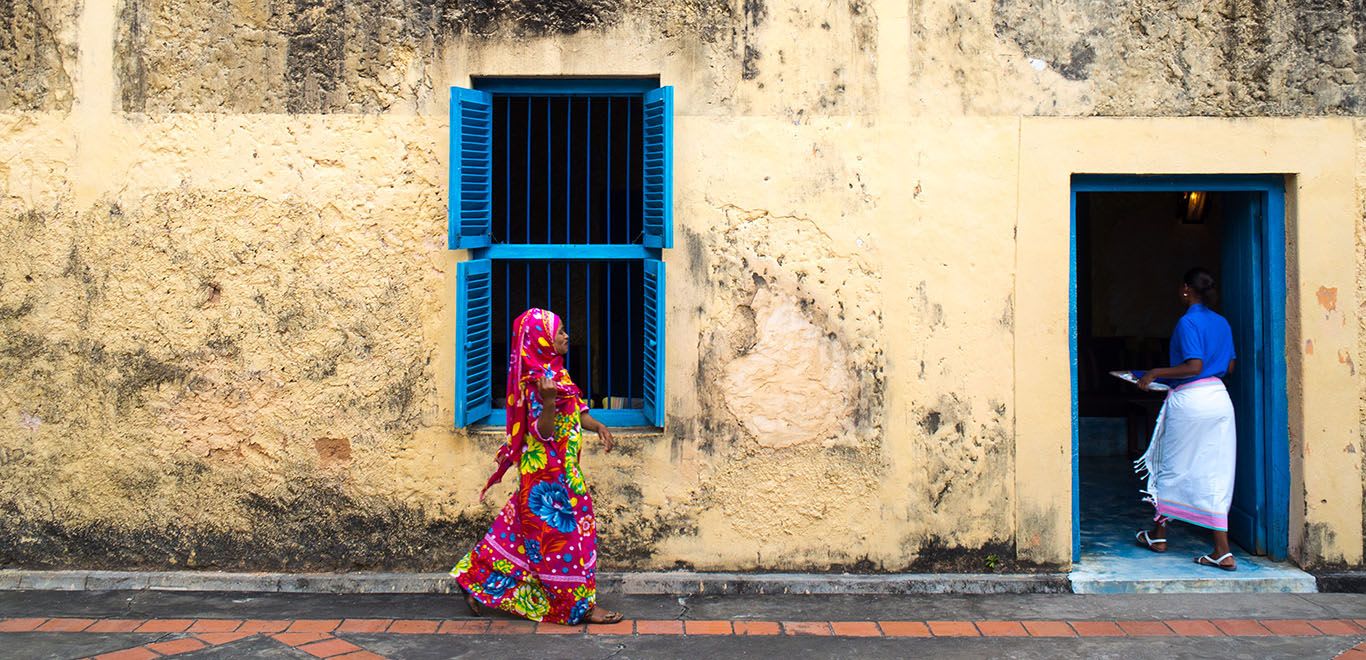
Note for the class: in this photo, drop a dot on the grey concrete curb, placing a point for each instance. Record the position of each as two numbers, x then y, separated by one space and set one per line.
657 583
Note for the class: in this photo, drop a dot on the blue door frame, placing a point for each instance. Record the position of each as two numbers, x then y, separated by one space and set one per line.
1270 314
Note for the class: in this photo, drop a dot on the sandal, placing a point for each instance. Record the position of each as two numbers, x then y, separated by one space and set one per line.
1148 542
606 616
1206 560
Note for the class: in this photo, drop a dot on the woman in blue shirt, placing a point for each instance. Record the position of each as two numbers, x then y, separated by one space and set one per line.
1191 461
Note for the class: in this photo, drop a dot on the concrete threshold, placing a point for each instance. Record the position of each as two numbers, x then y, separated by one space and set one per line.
679 583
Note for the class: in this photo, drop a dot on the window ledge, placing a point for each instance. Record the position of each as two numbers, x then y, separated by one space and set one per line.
622 432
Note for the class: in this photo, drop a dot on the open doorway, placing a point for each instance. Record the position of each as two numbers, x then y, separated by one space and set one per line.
1134 239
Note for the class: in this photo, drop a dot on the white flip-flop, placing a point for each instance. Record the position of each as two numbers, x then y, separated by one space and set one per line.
1206 560
1147 542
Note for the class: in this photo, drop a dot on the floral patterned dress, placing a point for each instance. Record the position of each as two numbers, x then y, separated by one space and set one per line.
539 559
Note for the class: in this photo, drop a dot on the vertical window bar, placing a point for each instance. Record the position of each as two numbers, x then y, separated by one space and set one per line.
610 346
528 190
507 229
588 307
588 235
549 188
629 104
549 176
630 335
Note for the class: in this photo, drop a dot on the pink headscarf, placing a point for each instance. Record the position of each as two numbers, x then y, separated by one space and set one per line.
532 357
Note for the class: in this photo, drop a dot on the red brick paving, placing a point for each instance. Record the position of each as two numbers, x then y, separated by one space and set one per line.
451 627
137 653
177 646
416 626
818 628
265 625
1097 628
1290 628
1194 628
619 628
313 631
314 625
757 628
505 627
904 628
165 625
1048 629
20 625
115 625
329 648
215 625
1146 628
1342 627
849 628
65 625
1002 629
953 629
217 638
1241 628
707 628
373 625
664 627
557 629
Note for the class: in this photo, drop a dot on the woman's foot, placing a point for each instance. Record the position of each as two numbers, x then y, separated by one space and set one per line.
602 615
1224 561
1154 542
475 608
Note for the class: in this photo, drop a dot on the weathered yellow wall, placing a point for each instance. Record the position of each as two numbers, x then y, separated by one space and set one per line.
227 314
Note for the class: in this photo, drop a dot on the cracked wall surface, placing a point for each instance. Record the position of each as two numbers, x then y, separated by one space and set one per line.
37 54
227 314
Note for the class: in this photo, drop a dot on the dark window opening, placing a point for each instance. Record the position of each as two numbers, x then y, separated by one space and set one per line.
567 169
601 304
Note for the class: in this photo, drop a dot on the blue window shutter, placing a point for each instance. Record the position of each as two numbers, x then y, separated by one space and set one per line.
474 341
658 184
654 342
470 215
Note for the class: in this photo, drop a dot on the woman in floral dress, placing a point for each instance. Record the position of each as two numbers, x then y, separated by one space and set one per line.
539 560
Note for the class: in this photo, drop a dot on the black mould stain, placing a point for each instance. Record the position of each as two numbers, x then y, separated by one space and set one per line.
938 556
129 47
931 422
630 538
1076 67
315 58
754 14
33 75
140 371
307 525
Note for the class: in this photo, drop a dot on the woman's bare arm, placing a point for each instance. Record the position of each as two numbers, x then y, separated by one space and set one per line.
1186 369
608 442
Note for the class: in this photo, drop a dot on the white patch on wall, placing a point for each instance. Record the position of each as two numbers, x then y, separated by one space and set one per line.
30 421
794 386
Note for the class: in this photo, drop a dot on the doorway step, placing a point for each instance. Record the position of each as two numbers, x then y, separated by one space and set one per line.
1112 563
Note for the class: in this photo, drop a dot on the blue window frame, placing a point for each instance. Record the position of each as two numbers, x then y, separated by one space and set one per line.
562 191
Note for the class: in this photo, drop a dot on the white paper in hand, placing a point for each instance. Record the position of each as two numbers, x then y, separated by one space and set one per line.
1129 377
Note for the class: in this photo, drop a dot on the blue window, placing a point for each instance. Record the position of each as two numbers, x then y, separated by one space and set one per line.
562 190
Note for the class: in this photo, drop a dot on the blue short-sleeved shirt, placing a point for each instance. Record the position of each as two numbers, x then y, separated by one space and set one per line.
1205 335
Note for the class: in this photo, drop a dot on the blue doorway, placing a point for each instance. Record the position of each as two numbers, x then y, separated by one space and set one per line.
1234 225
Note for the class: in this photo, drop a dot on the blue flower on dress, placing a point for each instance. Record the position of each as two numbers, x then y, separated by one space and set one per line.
550 501
533 551
498 584
580 610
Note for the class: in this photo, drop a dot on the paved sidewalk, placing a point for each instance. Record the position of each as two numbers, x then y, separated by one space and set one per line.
151 624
